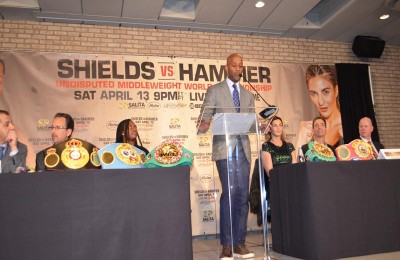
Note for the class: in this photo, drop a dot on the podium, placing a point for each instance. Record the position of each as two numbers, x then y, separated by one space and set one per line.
236 139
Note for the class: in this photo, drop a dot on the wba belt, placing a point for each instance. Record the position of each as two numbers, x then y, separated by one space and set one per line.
72 154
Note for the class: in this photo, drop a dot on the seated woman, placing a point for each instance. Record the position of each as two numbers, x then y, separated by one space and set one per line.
275 152
127 133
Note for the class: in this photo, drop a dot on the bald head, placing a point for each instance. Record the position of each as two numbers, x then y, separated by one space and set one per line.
234 67
365 128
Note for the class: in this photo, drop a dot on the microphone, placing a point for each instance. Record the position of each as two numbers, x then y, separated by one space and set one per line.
270 110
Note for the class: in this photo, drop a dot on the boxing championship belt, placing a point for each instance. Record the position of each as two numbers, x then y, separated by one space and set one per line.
319 153
355 150
121 156
169 154
73 154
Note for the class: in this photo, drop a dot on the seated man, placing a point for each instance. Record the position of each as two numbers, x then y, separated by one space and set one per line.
365 128
61 130
325 151
12 153
22 137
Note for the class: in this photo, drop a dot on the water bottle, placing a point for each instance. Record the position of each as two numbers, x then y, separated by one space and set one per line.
300 155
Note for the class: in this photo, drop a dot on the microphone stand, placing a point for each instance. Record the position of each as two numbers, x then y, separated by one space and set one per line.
270 111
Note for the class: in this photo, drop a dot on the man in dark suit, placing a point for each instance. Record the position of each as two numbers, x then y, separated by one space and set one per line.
229 96
12 153
61 130
365 128
319 132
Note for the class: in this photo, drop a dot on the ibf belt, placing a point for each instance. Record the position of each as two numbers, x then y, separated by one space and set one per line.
127 154
121 156
355 150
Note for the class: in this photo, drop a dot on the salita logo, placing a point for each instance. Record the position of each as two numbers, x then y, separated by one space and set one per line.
136 105
174 123
43 124
204 141
208 216
132 105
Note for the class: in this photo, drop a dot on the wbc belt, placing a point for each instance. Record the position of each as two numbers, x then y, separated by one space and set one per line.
319 153
169 153
355 150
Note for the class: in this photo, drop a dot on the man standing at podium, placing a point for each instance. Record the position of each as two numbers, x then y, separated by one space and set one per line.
229 96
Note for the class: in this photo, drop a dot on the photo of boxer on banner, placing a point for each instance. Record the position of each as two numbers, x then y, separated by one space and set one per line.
324 93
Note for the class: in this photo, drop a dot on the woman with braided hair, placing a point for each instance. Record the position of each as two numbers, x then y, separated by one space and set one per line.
127 133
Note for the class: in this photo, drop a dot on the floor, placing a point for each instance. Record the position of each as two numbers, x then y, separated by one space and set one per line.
208 249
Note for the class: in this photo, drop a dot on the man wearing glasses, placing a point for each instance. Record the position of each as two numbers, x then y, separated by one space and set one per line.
12 153
61 130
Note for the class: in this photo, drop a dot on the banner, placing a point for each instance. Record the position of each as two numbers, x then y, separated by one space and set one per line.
162 95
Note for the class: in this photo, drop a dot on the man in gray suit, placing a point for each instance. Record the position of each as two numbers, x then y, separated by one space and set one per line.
229 96
12 153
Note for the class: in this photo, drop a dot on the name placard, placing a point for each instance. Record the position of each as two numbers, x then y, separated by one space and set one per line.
389 154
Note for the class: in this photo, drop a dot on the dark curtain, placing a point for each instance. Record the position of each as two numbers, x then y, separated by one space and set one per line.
355 99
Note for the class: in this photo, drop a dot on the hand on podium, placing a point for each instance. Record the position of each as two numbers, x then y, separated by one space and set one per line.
202 126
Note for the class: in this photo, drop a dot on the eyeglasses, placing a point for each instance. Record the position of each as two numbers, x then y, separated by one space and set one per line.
57 127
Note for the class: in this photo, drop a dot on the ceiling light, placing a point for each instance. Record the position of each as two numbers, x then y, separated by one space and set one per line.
259 4
384 16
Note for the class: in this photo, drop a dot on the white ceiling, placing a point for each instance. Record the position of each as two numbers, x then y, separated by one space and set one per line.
332 20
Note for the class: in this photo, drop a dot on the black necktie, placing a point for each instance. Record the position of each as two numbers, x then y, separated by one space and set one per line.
236 100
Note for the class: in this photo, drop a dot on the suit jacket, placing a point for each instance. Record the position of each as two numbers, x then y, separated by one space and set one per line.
9 164
220 97
378 145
